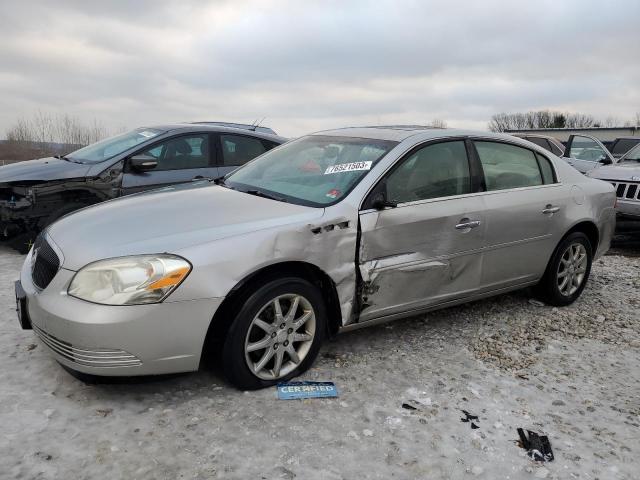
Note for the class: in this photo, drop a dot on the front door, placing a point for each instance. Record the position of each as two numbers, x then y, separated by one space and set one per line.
181 159
585 153
425 250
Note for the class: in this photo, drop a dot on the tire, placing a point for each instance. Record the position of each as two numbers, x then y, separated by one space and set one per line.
567 272
256 342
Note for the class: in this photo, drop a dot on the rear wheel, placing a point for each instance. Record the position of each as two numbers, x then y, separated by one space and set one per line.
276 334
568 271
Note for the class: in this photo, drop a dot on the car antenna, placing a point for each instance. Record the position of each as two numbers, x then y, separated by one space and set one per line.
257 123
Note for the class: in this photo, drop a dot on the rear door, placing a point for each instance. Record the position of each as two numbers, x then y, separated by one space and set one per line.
235 150
181 159
524 205
427 249
585 153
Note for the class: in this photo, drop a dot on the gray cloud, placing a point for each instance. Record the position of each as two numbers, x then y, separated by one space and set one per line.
313 65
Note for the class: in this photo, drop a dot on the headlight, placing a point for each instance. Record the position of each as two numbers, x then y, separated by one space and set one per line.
129 280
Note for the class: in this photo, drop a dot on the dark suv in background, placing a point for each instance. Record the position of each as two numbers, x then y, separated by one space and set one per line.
35 193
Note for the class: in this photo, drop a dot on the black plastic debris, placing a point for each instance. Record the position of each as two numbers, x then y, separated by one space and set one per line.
469 418
537 446
408 406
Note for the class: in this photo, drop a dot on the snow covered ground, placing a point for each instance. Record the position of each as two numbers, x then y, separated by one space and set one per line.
572 373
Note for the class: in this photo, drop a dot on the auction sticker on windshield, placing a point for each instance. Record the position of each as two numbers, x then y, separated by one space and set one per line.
348 167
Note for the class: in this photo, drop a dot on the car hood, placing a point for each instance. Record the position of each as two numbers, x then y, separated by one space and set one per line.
42 170
621 171
168 220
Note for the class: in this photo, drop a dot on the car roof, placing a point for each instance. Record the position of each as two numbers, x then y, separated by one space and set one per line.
628 138
399 133
199 127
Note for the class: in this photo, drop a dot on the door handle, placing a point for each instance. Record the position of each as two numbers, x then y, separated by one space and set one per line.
466 223
550 209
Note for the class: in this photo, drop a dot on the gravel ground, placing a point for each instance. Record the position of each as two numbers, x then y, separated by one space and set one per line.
572 373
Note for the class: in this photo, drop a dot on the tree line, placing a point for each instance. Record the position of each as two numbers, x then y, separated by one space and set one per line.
61 128
549 119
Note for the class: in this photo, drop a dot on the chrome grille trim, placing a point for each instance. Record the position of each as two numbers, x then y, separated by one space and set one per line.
45 263
626 190
83 356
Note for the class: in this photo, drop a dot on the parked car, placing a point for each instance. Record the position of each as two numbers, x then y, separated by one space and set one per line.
622 145
624 175
550 144
330 232
584 153
35 193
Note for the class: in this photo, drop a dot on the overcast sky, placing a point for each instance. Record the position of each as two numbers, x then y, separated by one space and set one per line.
307 66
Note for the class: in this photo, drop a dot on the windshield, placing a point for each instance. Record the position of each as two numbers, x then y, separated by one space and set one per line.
632 156
110 147
315 170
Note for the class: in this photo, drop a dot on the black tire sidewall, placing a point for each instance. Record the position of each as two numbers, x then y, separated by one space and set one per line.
550 289
233 356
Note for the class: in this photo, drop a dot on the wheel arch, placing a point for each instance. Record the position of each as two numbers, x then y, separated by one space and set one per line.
590 229
222 319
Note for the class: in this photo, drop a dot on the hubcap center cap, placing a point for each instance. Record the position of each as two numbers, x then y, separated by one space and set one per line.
282 336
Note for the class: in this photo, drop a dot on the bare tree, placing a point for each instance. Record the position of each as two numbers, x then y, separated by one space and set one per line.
438 123
47 128
540 119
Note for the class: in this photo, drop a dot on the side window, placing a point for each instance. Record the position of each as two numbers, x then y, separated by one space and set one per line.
508 166
180 153
546 169
238 150
437 170
585 148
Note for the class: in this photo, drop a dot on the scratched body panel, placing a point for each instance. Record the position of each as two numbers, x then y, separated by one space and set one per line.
413 256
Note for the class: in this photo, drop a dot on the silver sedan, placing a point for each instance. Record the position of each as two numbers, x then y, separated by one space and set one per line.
329 232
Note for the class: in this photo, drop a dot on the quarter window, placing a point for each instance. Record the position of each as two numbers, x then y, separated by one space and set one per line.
437 170
238 150
181 153
508 166
546 169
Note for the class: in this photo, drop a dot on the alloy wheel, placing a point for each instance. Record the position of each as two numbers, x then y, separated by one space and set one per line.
572 269
280 336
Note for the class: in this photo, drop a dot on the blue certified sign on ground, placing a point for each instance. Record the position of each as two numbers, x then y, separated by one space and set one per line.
294 390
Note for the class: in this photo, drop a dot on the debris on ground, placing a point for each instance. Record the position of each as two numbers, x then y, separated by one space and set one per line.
537 446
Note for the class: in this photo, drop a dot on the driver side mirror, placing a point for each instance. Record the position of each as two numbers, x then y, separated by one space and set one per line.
604 160
143 163
380 201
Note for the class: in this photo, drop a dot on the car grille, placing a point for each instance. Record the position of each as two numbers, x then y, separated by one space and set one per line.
626 191
45 263
87 357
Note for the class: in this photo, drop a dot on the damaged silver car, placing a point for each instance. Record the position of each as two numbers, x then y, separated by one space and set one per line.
330 232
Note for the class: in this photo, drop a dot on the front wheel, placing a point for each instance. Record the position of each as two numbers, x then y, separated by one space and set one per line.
276 335
568 271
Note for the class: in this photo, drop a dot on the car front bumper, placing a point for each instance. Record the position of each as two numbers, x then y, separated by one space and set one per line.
109 340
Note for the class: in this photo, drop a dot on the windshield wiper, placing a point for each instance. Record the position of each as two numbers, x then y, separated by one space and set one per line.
260 193
65 158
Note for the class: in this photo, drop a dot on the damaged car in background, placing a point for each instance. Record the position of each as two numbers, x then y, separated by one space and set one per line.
330 232
35 193
624 175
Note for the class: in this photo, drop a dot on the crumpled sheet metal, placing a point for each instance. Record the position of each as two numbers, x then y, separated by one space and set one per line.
410 279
